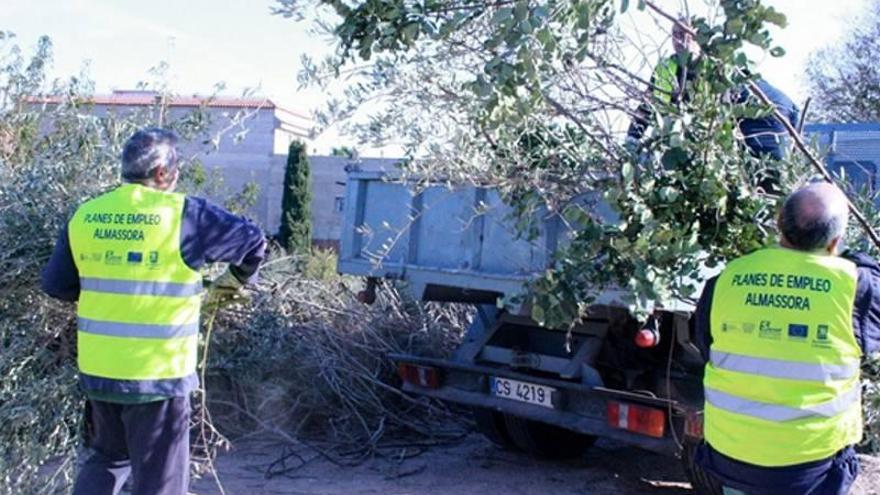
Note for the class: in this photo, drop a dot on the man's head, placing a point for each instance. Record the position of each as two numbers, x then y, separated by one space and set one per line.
814 218
150 158
683 41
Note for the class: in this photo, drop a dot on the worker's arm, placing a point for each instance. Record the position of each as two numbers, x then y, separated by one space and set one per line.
210 233
640 119
60 278
866 310
702 328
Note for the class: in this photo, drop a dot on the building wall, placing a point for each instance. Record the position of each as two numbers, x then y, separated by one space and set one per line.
328 175
851 150
328 186
249 145
239 149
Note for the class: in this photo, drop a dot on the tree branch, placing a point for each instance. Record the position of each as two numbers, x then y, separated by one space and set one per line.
818 165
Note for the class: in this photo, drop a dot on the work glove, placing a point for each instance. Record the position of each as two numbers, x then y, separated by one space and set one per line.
227 282
224 288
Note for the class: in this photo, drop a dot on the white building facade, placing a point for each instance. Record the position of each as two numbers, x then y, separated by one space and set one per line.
247 142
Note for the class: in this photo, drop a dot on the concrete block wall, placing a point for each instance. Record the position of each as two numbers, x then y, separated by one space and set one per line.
254 151
328 175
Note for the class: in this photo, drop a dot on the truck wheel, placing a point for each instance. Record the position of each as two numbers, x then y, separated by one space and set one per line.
546 441
701 481
491 424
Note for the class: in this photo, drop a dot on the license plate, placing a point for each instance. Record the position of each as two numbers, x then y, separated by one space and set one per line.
522 391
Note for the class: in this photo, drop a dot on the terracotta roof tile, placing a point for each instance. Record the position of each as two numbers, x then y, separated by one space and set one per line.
135 99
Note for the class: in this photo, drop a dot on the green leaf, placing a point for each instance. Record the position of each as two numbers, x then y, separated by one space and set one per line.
777 51
733 26
624 4
409 32
777 18
538 314
576 215
626 171
502 15
674 158
521 10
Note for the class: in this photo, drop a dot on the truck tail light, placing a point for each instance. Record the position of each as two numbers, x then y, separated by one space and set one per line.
647 338
637 419
423 376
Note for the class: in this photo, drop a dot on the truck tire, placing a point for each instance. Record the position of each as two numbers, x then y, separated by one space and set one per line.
546 441
701 481
491 425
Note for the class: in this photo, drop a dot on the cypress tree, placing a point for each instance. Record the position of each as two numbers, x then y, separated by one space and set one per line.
295 233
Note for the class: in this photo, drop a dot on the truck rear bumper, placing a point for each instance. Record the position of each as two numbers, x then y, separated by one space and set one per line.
577 407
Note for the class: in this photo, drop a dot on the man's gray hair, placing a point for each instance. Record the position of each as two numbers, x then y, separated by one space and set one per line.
813 216
146 150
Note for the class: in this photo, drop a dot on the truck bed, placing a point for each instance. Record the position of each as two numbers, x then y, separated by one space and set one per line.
463 244
459 244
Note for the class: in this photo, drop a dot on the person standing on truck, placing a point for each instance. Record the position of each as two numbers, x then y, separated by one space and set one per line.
670 84
782 331
131 259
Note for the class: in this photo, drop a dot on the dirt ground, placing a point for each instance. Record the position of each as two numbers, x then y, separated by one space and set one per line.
471 466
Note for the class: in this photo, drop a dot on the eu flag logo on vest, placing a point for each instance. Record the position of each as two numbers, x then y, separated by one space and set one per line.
135 257
798 331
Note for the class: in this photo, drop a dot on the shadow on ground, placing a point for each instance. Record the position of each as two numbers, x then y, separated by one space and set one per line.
471 466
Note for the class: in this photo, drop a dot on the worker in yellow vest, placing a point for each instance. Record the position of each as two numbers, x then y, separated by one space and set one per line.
673 81
783 330
130 257
669 82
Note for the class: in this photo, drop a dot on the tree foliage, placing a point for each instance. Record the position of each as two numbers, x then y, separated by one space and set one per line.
344 151
295 232
844 79
466 85
53 157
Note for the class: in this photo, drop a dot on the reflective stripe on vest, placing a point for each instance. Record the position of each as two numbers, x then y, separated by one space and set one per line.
778 368
782 383
775 412
138 312
140 330
140 287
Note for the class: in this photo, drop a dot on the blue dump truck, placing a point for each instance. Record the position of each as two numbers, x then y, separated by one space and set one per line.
544 391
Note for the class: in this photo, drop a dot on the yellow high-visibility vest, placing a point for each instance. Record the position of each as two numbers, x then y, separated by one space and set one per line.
782 385
665 80
138 312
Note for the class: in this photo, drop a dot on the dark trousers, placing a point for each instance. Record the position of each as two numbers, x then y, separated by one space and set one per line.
833 476
149 441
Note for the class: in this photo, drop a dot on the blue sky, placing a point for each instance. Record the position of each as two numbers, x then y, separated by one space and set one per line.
238 42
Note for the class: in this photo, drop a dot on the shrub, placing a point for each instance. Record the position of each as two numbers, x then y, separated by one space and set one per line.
320 264
295 233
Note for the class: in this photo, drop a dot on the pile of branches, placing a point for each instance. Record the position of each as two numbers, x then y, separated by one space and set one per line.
305 362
